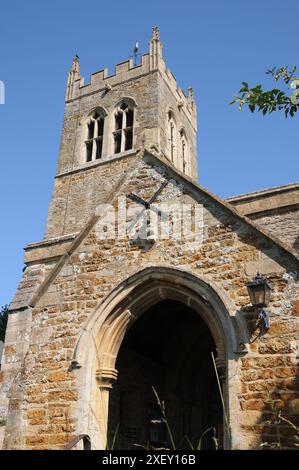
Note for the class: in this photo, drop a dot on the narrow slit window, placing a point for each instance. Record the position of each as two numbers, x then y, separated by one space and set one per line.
172 138
172 141
99 148
130 115
90 130
117 142
100 127
129 139
118 121
88 151
184 152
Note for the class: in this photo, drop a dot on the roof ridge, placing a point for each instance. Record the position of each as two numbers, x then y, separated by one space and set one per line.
261 192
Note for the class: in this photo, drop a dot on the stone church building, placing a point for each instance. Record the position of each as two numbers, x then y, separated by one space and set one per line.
141 282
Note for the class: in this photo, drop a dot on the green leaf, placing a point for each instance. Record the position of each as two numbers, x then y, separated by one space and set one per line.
3 322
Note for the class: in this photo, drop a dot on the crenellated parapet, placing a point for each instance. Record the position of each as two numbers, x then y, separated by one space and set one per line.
152 61
185 102
101 80
138 104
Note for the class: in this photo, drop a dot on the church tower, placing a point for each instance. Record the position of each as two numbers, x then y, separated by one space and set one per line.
101 316
107 122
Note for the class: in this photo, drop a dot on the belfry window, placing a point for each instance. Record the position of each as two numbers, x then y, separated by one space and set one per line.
184 152
95 135
123 128
171 137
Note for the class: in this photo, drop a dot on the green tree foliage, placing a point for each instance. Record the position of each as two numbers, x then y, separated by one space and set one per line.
273 100
3 321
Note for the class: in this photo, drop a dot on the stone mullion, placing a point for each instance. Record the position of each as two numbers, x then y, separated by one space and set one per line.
94 144
183 155
108 131
172 143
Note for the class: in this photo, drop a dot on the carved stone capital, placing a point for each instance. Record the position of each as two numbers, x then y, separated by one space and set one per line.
106 377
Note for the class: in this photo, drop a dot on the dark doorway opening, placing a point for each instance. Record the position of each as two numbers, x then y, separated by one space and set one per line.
168 348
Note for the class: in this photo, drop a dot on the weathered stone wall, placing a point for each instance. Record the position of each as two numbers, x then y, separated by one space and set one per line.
69 275
79 185
168 101
43 394
143 90
282 224
275 209
76 195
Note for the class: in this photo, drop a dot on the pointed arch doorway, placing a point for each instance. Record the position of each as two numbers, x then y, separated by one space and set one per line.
169 320
169 348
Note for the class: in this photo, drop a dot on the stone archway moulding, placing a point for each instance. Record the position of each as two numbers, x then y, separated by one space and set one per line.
102 335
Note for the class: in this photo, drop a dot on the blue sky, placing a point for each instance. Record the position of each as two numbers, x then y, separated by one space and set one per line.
212 46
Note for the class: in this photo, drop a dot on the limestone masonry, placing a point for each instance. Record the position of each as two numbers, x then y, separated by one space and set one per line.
99 318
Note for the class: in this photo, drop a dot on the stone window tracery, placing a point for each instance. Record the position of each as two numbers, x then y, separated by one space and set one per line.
184 152
123 128
95 136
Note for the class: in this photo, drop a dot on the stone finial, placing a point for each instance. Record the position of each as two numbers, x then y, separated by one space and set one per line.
76 65
156 34
191 93
73 76
155 49
191 102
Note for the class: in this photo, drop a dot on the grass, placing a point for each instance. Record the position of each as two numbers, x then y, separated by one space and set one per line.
171 439
279 420
228 429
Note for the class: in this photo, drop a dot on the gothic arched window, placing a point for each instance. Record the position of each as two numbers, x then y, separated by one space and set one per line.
184 157
123 127
95 135
171 137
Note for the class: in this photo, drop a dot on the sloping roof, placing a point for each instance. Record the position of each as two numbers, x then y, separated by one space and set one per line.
266 192
267 201
228 207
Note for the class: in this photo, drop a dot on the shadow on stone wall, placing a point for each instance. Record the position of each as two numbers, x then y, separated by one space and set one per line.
296 244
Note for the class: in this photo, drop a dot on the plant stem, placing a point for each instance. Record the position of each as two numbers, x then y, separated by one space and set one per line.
221 396
164 418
